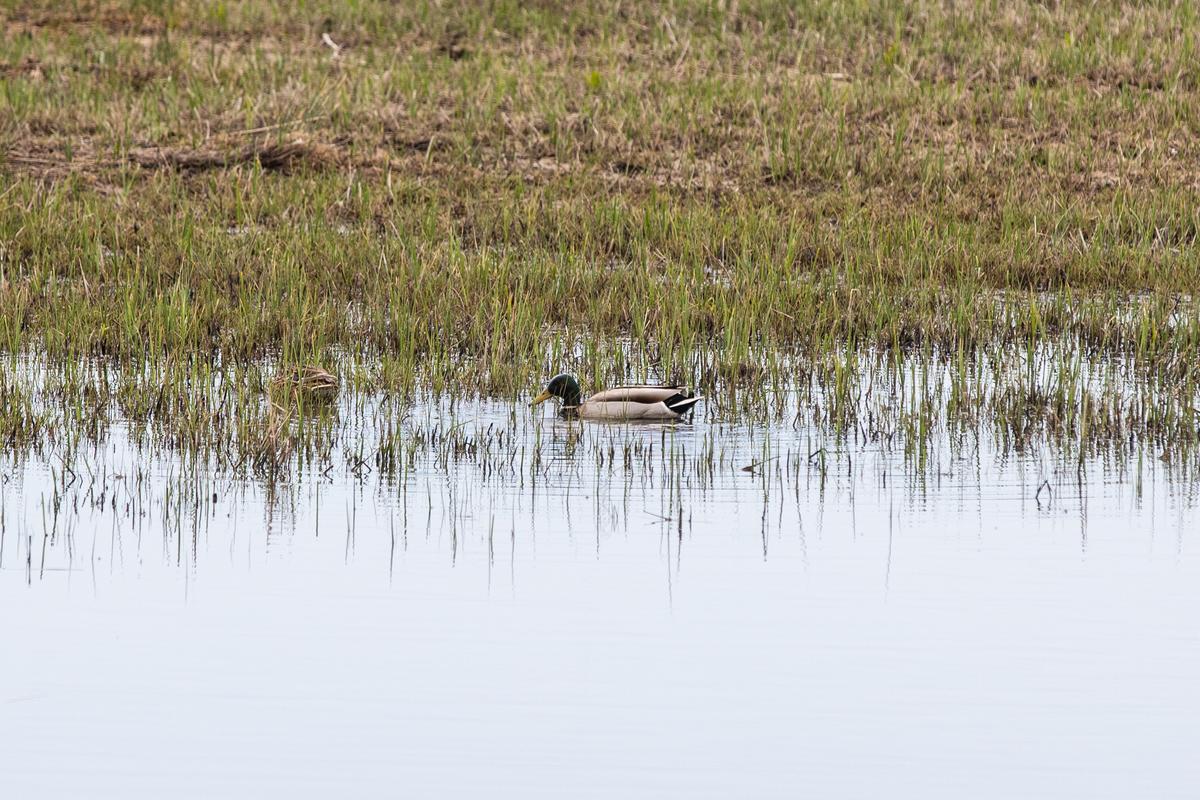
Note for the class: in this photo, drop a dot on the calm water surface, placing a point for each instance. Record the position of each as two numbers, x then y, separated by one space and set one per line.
533 609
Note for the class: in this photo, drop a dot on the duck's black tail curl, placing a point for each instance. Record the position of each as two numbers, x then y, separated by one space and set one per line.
682 403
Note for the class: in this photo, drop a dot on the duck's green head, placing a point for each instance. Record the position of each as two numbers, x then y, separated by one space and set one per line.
564 387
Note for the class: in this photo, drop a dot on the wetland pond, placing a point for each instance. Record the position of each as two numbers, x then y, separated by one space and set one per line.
464 598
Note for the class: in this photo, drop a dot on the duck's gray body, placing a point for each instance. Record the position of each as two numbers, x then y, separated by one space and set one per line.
661 403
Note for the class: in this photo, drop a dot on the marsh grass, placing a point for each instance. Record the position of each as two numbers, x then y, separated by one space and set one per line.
232 420
452 470
753 198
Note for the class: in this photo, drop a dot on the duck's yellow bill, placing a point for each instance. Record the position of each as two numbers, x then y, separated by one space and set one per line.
541 398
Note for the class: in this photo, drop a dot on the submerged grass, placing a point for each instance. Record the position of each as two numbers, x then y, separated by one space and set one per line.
744 196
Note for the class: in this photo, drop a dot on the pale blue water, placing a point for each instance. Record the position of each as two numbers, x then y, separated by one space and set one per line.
553 619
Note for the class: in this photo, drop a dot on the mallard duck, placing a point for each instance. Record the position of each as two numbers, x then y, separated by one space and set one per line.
664 403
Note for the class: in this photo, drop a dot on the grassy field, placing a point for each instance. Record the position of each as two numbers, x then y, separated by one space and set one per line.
728 193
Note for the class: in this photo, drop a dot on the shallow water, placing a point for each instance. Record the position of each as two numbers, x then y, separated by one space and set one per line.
530 608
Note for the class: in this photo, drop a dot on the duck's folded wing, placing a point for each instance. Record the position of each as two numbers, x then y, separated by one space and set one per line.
635 394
